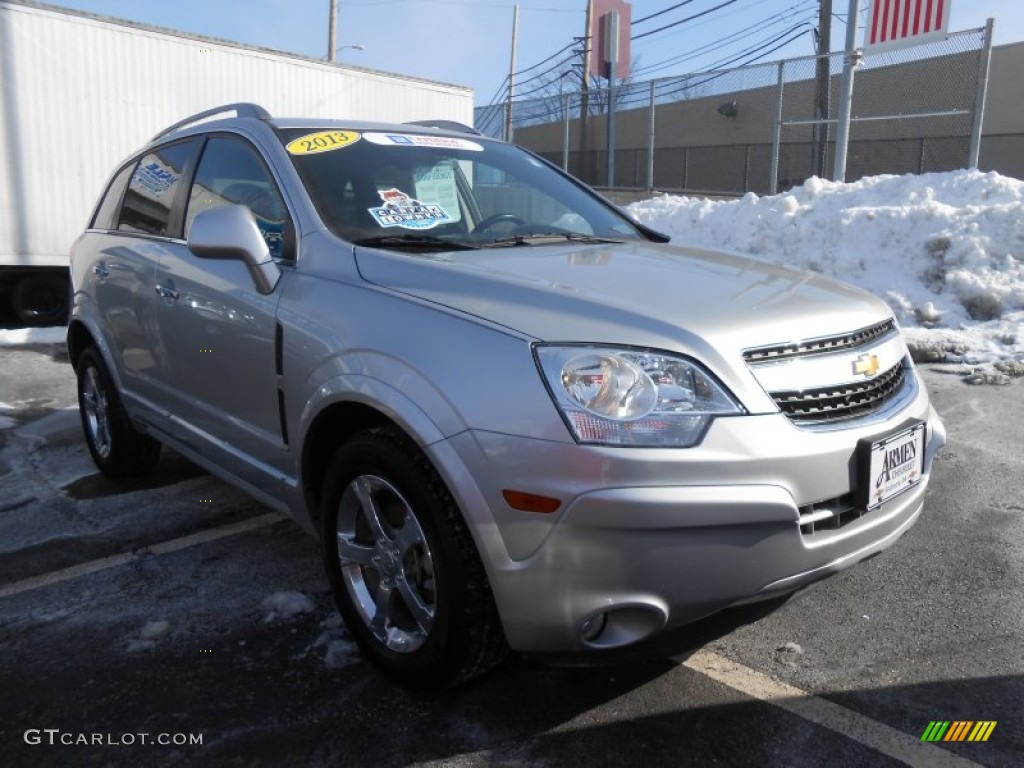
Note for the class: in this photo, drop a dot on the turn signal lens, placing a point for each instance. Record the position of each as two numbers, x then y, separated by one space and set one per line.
530 502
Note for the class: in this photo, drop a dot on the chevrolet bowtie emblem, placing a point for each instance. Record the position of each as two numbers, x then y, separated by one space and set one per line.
866 365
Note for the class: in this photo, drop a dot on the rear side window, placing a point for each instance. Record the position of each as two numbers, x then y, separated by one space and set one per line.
150 202
106 214
231 172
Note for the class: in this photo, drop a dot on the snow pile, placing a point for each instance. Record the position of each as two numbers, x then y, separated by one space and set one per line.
945 250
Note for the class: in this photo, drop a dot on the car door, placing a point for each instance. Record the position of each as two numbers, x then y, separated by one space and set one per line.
134 226
217 332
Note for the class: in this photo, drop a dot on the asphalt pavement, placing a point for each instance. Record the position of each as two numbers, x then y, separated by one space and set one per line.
174 621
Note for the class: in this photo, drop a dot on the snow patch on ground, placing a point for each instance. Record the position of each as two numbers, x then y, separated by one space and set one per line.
284 605
338 648
149 636
16 337
945 250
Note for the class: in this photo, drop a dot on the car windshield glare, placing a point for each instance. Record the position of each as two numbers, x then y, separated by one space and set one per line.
374 188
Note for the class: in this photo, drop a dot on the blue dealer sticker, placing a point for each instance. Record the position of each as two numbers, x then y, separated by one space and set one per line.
400 210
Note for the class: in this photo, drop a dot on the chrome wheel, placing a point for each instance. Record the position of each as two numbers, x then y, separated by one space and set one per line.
386 564
97 412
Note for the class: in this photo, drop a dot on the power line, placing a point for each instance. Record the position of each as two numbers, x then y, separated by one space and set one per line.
683 21
549 58
659 13
794 11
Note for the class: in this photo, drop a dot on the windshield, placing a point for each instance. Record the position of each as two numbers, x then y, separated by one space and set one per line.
419 191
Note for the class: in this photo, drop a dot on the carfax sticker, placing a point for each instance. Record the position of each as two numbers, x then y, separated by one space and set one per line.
400 210
321 141
419 140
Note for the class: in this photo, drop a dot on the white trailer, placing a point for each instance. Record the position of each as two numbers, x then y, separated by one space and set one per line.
80 92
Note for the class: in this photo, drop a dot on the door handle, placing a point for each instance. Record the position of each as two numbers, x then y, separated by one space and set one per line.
167 294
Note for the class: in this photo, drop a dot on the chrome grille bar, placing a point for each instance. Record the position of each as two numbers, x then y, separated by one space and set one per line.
840 402
853 340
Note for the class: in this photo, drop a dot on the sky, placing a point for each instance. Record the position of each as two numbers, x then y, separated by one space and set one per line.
468 42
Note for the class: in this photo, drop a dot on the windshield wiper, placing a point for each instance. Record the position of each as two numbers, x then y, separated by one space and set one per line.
414 242
542 238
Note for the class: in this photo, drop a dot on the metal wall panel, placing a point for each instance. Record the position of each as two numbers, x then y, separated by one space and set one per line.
81 93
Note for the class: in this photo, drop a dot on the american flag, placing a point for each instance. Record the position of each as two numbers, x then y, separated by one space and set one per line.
901 23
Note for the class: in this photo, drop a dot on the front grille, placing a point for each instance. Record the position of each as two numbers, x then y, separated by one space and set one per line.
847 401
829 515
845 341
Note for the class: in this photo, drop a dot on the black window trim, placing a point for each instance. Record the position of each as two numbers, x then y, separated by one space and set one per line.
176 220
106 191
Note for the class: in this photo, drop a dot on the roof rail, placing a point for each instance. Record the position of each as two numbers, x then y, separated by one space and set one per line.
242 109
446 125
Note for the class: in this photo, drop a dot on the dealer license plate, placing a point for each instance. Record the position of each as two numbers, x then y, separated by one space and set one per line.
890 466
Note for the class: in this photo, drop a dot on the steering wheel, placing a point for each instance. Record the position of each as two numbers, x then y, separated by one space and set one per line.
498 218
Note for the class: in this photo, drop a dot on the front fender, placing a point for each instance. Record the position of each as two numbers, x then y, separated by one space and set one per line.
374 393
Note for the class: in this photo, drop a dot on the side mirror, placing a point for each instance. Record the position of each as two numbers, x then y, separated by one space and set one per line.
230 232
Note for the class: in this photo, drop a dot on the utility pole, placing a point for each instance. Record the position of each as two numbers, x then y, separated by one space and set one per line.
822 95
511 74
585 88
611 46
332 31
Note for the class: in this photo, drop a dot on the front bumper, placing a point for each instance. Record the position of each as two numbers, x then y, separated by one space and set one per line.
651 539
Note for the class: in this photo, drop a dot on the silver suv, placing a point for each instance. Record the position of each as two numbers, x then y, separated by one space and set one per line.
514 417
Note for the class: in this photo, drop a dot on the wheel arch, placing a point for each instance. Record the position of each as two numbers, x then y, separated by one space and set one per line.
360 403
79 339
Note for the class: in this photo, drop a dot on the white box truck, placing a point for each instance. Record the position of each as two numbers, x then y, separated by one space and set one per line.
81 92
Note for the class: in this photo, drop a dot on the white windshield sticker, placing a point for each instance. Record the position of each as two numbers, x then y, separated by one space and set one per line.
401 210
419 140
437 183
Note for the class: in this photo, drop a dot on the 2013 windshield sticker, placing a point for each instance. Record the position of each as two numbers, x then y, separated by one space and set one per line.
419 140
401 210
321 141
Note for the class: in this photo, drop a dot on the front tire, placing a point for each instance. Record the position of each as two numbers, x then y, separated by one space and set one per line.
117 448
405 572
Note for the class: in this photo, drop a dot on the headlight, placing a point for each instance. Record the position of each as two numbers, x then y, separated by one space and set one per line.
614 396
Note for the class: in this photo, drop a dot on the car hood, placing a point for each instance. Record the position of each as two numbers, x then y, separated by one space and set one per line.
641 294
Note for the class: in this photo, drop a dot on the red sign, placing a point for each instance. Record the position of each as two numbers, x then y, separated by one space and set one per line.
894 24
600 53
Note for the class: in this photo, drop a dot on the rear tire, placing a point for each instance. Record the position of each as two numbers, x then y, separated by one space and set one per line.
117 448
405 572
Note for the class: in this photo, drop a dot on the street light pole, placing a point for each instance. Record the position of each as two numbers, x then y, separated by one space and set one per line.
511 74
846 92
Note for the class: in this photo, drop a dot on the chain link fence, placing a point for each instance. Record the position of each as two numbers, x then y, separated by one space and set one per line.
763 127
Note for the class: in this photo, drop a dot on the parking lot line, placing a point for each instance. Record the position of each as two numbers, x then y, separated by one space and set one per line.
828 714
162 548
